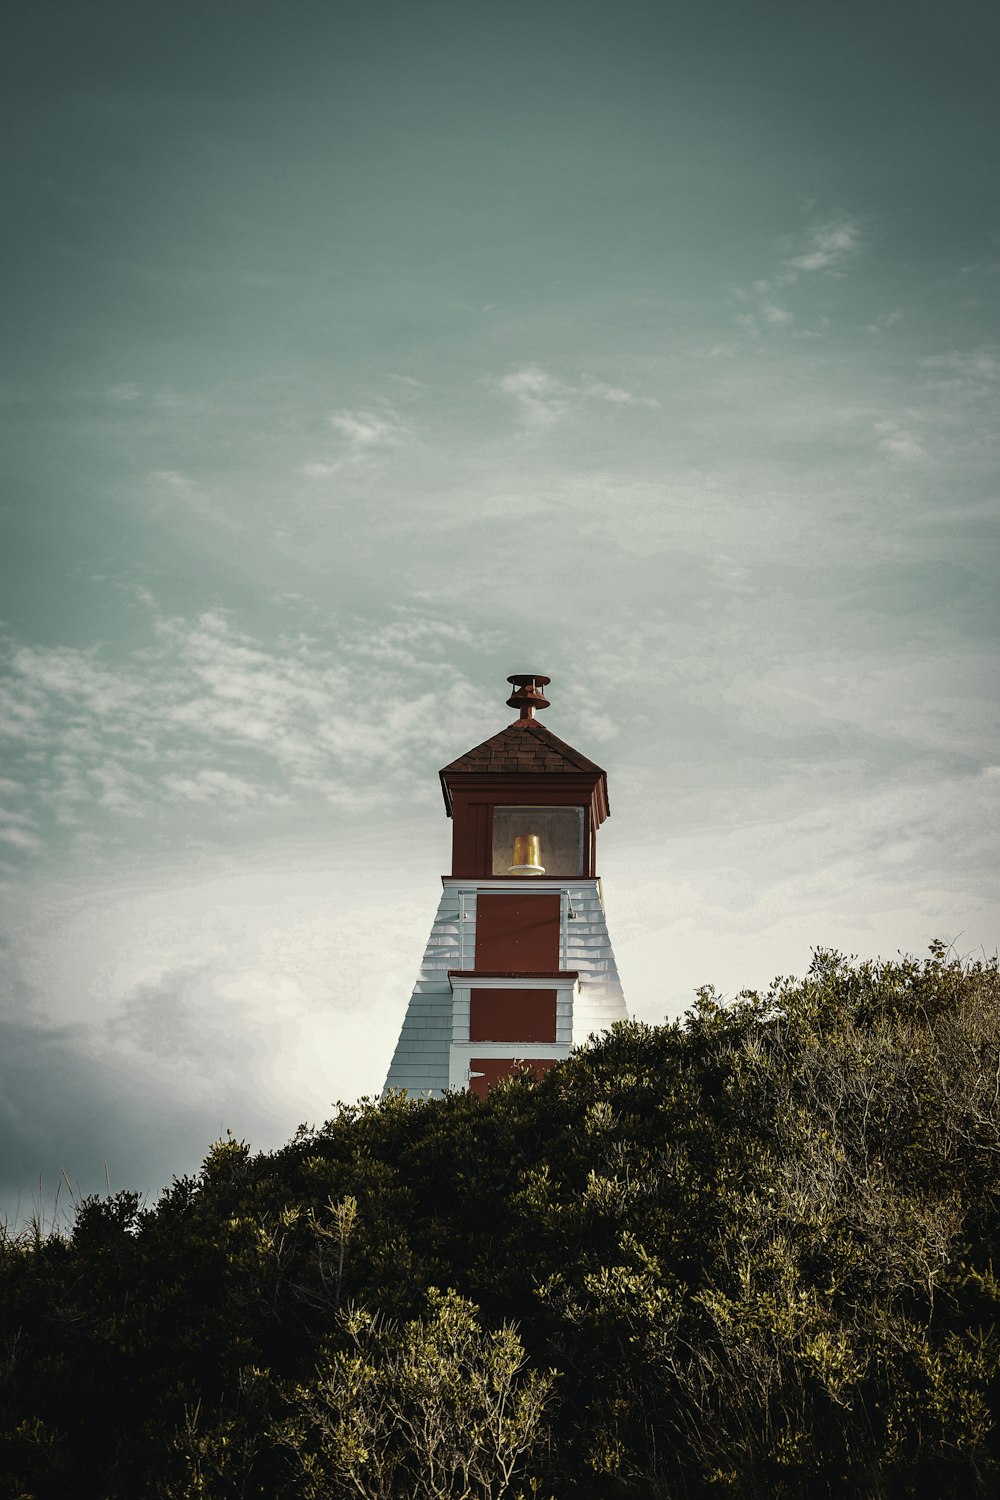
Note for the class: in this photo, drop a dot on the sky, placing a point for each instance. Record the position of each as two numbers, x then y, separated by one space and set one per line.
354 357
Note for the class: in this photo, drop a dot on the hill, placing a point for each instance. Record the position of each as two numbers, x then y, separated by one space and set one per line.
748 1254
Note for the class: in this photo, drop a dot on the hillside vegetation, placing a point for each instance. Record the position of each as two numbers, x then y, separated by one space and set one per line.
748 1254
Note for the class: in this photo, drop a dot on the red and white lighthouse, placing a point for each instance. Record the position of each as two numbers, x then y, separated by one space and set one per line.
519 965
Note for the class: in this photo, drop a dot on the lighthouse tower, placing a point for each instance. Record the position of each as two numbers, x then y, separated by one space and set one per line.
519 965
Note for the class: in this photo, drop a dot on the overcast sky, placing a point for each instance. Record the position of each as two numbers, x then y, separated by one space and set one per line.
358 355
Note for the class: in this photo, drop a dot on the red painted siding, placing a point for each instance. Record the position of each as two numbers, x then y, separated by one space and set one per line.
495 1068
517 933
472 838
513 1016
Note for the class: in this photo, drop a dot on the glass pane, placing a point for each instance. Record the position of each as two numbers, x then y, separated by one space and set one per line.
538 841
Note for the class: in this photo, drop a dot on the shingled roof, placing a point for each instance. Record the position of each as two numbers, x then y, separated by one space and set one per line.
525 745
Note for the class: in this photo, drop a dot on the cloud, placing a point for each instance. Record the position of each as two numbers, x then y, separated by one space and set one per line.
976 371
542 399
367 429
615 394
883 322
162 1002
413 389
219 786
234 726
828 247
170 487
170 479
899 443
825 248
90 1115
167 1017
767 312
146 1091
365 436
320 471
18 838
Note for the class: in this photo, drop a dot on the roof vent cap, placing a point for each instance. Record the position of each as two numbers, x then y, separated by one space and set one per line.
528 694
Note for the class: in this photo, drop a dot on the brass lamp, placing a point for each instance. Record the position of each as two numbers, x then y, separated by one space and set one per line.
527 855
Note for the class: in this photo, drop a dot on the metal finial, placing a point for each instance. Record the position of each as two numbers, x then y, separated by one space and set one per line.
528 693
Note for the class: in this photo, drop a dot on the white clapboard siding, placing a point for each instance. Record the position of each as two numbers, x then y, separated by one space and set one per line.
431 1025
599 1001
420 1062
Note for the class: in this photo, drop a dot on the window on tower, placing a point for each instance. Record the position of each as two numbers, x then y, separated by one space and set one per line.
538 841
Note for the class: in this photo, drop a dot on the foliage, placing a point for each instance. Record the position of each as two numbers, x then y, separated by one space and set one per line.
747 1254
437 1410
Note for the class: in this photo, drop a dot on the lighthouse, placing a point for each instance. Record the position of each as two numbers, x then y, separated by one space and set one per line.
519 964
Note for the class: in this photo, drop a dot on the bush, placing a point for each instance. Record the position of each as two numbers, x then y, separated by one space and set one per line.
751 1254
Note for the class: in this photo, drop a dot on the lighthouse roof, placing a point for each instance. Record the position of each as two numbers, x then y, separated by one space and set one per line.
524 764
526 746
517 762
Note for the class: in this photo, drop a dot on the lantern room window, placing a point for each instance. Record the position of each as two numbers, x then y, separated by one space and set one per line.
538 841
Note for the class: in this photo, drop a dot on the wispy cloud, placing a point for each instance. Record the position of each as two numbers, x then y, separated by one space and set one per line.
975 369
367 429
829 247
899 442
542 399
615 395
320 470
235 725
17 836
208 786
170 479
173 489
412 389
883 322
761 310
364 436
775 315
825 248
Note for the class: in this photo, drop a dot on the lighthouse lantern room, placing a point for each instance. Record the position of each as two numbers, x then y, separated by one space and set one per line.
519 965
